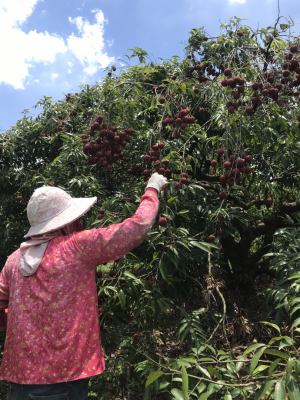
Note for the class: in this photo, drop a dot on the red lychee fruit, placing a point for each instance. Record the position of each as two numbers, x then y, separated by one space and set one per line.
221 217
230 182
227 72
248 170
174 77
265 92
211 238
255 100
227 164
222 195
201 110
223 178
240 162
136 337
108 168
100 216
162 100
219 232
248 158
269 201
178 186
294 49
231 109
220 152
224 82
183 126
162 221
147 158
240 33
161 145
223 225
99 274
122 378
113 391
249 110
19 198
213 163
255 86
196 90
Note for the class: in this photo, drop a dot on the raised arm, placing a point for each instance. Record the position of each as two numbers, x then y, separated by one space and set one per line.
98 246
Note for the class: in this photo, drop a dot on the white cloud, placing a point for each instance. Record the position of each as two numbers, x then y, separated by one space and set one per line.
69 71
237 1
53 75
89 47
21 50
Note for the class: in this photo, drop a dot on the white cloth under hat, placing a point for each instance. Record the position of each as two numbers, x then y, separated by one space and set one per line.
51 212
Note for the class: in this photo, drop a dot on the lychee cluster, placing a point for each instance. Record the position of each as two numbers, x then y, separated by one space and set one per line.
235 166
105 150
179 122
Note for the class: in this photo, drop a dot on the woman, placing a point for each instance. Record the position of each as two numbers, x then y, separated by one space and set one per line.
53 341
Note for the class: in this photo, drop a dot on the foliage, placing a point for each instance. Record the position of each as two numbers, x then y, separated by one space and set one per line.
259 204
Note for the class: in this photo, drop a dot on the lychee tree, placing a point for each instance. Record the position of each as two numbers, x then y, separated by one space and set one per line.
223 125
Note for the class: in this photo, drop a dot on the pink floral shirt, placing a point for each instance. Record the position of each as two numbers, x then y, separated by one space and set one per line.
53 332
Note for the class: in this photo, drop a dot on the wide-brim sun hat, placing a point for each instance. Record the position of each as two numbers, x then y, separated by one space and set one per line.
51 208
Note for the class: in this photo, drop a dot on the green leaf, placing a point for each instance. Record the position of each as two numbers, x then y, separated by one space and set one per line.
253 347
256 358
178 395
201 246
204 372
122 298
287 338
227 396
273 325
205 395
279 392
163 271
296 322
293 390
284 26
259 369
171 201
289 370
263 389
277 353
185 383
152 377
273 366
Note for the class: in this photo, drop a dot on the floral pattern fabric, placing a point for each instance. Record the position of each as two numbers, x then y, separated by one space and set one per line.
53 333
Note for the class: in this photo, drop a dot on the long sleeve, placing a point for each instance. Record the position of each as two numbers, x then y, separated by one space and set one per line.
4 296
98 246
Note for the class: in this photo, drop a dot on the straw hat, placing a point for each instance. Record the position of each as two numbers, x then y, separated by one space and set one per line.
51 208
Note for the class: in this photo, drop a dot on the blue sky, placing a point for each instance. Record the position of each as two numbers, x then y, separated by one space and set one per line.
51 47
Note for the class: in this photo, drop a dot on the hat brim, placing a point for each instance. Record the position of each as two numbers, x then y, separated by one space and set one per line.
78 207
